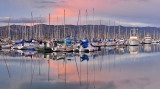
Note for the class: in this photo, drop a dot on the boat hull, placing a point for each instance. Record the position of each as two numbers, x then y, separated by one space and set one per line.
147 41
43 49
133 42
5 46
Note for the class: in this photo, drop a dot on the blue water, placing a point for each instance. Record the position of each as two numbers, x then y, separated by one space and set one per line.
134 67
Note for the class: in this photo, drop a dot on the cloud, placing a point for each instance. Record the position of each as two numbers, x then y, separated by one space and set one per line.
22 20
141 12
36 3
44 4
48 2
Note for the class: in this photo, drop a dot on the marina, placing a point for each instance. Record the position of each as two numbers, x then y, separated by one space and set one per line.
79 44
81 58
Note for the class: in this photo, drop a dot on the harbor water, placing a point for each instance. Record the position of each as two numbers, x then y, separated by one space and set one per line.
131 67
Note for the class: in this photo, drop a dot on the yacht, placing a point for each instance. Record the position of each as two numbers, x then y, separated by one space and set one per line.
133 40
147 39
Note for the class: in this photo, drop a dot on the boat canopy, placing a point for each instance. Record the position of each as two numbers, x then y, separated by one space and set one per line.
68 42
69 55
60 42
110 40
96 40
21 42
84 43
30 41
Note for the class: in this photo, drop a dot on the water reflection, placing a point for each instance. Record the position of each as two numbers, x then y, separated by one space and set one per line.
147 47
110 68
133 50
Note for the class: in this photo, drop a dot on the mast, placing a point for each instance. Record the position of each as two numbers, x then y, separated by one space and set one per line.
126 33
80 24
31 25
119 30
58 29
77 26
105 32
108 29
64 24
157 36
39 32
93 22
9 31
154 35
86 25
114 31
144 33
36 30
25 29
99 30
48 29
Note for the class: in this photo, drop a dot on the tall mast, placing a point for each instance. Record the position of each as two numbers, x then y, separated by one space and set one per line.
31 25
108 29
49 28
114 31
157 35
154 35
105 32
126 33
144 33
39 28
9 31
80 26
64 24
119 30
58 29
41 32
86 25
77 26
99 30
93 22
25 31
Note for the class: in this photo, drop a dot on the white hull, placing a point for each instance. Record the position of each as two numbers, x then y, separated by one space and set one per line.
79 48
155 42
147 41
111 44
6 46
133 42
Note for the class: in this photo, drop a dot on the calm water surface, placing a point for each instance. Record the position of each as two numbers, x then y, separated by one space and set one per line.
133 67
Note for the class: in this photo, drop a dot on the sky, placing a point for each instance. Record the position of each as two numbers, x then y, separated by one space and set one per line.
123 12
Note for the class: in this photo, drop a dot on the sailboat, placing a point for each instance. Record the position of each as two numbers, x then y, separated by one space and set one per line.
112 42
64 45
155 41
86 47
46 45
5 44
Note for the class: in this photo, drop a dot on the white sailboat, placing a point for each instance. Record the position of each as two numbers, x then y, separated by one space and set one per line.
6 45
